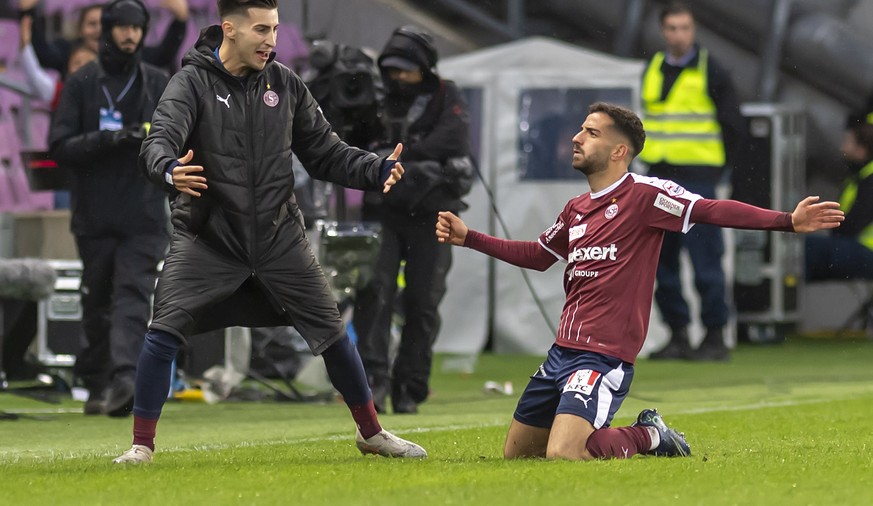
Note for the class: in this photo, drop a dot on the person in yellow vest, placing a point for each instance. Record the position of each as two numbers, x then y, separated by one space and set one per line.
693 122
848 252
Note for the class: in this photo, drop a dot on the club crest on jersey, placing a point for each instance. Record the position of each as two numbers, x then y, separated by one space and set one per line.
611 211
673 188
669 205
582 381
578 231
271 98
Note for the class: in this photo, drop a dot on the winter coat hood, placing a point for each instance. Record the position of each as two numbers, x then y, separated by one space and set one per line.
121 13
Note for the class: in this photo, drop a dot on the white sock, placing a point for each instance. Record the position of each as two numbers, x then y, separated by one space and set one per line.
656 437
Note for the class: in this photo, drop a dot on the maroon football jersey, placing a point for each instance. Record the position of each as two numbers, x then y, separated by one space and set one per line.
611 241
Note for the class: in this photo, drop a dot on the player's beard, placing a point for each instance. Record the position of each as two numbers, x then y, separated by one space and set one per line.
589 164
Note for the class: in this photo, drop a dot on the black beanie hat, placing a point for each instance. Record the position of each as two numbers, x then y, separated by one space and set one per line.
412 44
124 13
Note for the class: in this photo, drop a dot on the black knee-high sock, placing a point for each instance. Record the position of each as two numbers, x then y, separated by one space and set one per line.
346 372
152 384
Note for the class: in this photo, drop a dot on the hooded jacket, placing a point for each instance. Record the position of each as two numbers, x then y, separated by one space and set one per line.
109 193
243 132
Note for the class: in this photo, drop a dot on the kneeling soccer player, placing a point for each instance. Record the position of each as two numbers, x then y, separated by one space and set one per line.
609 238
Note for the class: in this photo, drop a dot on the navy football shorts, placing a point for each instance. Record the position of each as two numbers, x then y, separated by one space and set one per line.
580 383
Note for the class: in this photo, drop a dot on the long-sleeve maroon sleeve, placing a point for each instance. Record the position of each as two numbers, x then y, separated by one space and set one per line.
526 254
734 214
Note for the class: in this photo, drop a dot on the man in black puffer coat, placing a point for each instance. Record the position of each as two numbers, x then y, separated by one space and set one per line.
429 115
118 218
238 253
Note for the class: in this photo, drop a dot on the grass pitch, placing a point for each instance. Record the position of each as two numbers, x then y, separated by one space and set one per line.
784 424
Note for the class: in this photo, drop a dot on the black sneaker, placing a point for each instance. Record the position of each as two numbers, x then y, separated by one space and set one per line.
677 349
712 348
672 444
119 397
95 405
402 401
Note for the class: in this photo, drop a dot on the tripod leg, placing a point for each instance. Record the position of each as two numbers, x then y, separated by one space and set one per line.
3 383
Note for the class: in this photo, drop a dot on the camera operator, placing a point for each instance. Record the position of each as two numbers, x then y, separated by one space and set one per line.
429 116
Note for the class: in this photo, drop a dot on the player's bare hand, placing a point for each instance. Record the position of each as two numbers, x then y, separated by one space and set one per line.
396 171
179 8
186 177
450 229
811 215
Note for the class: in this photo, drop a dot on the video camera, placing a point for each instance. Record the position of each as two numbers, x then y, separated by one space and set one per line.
348 87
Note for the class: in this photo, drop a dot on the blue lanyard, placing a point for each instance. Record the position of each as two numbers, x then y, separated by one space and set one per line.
120 95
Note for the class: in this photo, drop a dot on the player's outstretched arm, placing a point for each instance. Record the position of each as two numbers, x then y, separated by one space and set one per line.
451 229
811 215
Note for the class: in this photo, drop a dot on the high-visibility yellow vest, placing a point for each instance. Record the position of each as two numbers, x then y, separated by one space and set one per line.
847 200
681 129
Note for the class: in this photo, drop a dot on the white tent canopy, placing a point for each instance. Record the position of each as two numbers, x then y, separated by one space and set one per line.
484 292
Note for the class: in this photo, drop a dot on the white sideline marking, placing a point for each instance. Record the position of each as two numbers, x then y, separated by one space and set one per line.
750 407
420 430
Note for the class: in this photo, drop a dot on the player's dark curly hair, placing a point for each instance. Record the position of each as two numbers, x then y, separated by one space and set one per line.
626 122
229 7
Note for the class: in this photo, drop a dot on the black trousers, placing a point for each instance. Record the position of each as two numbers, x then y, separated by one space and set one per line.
427 263
17 330
118 280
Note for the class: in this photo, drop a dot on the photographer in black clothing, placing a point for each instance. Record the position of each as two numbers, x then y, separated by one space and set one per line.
118 218
429 115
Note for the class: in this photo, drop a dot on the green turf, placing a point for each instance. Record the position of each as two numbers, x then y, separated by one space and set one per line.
785 424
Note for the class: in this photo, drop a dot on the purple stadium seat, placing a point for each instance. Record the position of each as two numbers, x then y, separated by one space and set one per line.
9 143
40 123
25 199
15 192
10 102
8 41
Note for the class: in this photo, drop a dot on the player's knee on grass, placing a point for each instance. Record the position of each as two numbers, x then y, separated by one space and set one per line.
567 450
568 438
525 441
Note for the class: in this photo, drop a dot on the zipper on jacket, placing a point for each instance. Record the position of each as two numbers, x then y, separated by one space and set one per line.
251 176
